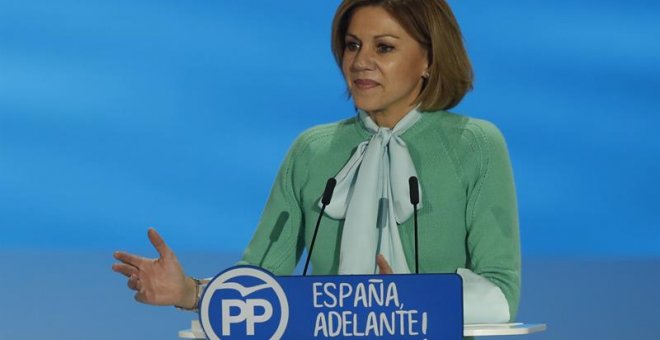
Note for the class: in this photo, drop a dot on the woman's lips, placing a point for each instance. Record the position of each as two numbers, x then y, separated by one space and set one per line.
365 84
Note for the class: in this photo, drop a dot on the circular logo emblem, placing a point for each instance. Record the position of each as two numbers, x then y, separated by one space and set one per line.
244 302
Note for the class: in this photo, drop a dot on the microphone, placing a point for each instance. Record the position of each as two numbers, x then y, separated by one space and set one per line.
275 234
414 200
325 200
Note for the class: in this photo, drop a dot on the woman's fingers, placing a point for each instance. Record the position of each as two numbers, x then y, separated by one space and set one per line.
145 296
130 259
158 242
158 281
383 265
134 283
125 269
139 297
138 261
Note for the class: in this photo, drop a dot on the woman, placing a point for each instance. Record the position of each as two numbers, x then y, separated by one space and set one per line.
404 64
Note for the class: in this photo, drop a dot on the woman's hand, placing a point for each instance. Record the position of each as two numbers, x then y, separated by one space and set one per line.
158 281
383 266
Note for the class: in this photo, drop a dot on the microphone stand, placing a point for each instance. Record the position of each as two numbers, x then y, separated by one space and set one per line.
327 195
414 200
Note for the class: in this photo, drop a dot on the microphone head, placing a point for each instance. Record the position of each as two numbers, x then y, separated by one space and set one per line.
279 226
329 189
414 190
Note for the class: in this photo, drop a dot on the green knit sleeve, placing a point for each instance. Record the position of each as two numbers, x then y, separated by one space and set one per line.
278 241
492 213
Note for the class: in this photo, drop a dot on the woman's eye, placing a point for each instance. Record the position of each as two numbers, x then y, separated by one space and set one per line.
352 46
382 48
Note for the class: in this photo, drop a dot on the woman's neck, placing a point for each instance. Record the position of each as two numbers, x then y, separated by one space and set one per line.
389 119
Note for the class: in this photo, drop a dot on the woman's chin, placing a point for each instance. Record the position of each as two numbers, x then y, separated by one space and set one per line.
366 106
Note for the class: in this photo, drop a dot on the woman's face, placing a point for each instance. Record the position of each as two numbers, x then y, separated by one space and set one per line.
382 64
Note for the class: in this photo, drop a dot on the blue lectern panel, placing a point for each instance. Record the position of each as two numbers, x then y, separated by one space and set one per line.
248 302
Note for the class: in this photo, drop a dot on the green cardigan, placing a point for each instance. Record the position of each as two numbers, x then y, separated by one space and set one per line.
469 216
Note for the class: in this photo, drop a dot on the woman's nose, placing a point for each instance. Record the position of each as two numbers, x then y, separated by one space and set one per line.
363 60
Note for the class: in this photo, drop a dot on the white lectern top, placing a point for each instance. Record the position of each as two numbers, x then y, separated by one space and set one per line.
491 329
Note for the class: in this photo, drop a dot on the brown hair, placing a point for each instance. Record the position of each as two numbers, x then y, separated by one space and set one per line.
433 25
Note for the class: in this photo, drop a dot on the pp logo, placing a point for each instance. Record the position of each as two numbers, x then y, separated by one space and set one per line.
244 302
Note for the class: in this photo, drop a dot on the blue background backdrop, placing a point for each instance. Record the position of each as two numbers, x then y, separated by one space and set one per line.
116 116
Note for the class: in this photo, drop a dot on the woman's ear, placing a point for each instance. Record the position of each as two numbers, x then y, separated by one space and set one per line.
426 74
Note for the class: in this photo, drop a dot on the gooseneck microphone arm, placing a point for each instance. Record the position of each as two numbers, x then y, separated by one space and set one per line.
325 200
414 200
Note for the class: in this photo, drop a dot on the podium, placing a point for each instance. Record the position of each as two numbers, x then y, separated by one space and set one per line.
249 302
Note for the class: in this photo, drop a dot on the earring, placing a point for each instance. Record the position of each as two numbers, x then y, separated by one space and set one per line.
426 75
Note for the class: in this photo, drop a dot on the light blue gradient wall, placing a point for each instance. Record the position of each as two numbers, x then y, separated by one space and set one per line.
116 116
119 115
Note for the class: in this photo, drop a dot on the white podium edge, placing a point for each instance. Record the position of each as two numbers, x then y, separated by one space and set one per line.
196 332
495 330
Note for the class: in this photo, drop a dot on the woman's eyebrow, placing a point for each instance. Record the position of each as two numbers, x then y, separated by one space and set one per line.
351 35
386 36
